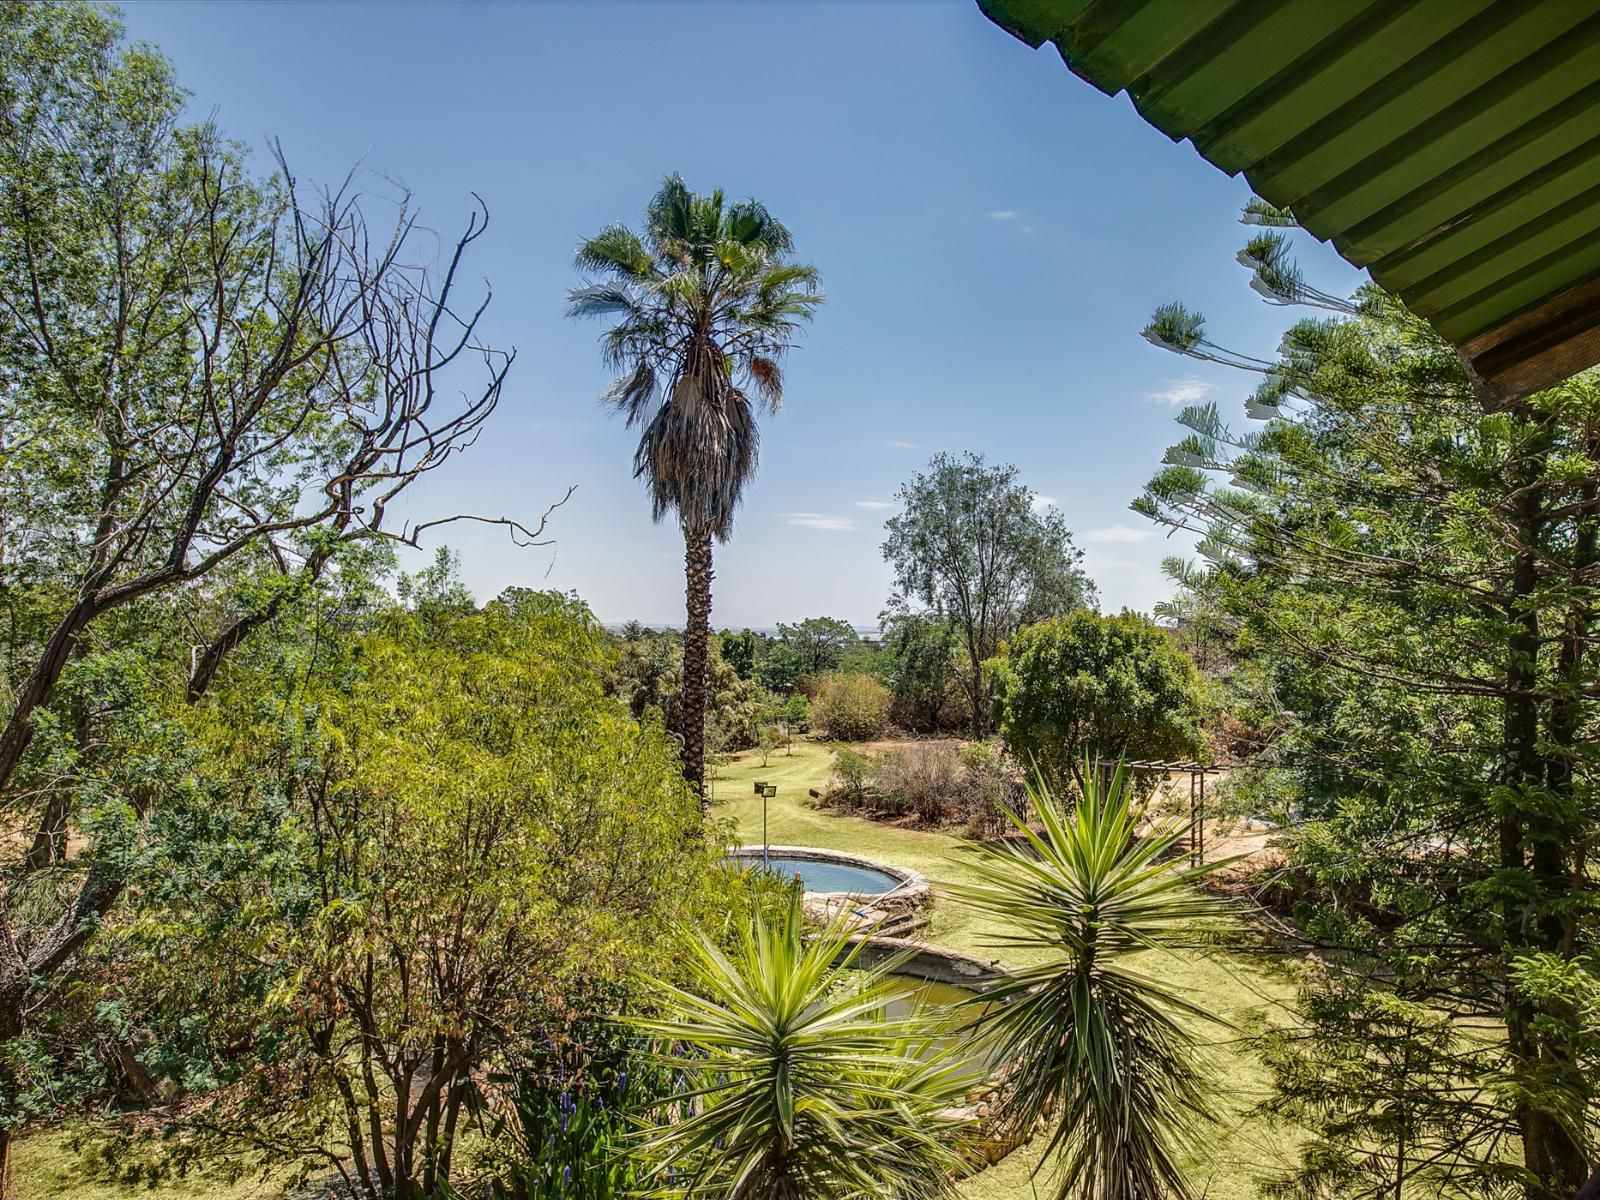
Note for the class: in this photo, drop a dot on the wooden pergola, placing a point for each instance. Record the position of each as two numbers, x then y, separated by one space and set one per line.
1197 772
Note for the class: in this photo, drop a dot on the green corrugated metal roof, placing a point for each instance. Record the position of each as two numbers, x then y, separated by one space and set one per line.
1452 147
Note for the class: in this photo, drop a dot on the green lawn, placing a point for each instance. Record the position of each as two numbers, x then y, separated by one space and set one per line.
44 1166
1238 989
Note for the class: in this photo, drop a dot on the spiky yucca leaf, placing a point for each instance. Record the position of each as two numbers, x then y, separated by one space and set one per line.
1093 1039
796 1084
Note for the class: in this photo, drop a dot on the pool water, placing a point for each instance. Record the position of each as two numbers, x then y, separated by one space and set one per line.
831 876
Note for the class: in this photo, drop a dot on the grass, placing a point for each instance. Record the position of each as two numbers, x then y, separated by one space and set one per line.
46 1166
1240 990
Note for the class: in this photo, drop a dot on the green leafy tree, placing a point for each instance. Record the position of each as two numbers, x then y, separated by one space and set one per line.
970 548
780 668
1089 685
797 1086
767 740
820 643
787 716
742 650
1103 1046
921 657
1408 580
796 718
457 841
648 675
703 305
214 387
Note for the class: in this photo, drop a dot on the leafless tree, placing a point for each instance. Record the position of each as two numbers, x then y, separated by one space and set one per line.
207 370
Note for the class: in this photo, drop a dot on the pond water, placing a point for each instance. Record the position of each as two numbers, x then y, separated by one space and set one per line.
830 876
952 1004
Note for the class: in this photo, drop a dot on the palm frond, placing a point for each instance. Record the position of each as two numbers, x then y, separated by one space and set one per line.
633 394
601 300
767 376
749 222
616 250
786 277
702 302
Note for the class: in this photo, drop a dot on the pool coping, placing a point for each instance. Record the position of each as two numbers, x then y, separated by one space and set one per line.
933 964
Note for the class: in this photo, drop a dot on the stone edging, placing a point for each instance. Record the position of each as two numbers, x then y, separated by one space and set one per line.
914 890
934 964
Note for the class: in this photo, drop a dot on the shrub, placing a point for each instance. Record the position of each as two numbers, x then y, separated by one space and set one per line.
850 708
1093 686
988 789
927 779
851 772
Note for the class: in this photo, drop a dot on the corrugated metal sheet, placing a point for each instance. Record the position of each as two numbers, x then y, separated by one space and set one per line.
1452 147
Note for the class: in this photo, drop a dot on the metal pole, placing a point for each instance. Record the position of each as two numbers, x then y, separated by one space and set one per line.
1202 816
764 842
1191 820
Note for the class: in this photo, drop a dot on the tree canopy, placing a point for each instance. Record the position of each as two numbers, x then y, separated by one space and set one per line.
216 384
1408 579
819 643
970 547
457 845
1097 686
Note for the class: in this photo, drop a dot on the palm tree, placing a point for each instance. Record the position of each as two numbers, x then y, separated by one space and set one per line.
706 303
796 1086
1086 1034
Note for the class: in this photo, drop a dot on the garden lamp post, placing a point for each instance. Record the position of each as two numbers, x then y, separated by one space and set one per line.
768 791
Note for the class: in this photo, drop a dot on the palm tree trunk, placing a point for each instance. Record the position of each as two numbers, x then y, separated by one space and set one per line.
696 639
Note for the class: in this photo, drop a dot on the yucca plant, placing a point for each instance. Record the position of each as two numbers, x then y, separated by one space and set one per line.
1086 1037
795 1084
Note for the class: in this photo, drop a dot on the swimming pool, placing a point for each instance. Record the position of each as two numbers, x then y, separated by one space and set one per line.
819 876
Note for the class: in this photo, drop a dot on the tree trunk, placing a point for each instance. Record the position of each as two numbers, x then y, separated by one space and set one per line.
975 695
1562 1157
1518 749
696 644
13 996
1549 1151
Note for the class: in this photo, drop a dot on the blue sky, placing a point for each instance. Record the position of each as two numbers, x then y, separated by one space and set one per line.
992 232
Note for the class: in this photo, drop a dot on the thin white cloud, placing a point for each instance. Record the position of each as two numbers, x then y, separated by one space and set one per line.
1096 565
1040 503
1179 392
807 520
902 445
1004 214
874 505
1118 534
